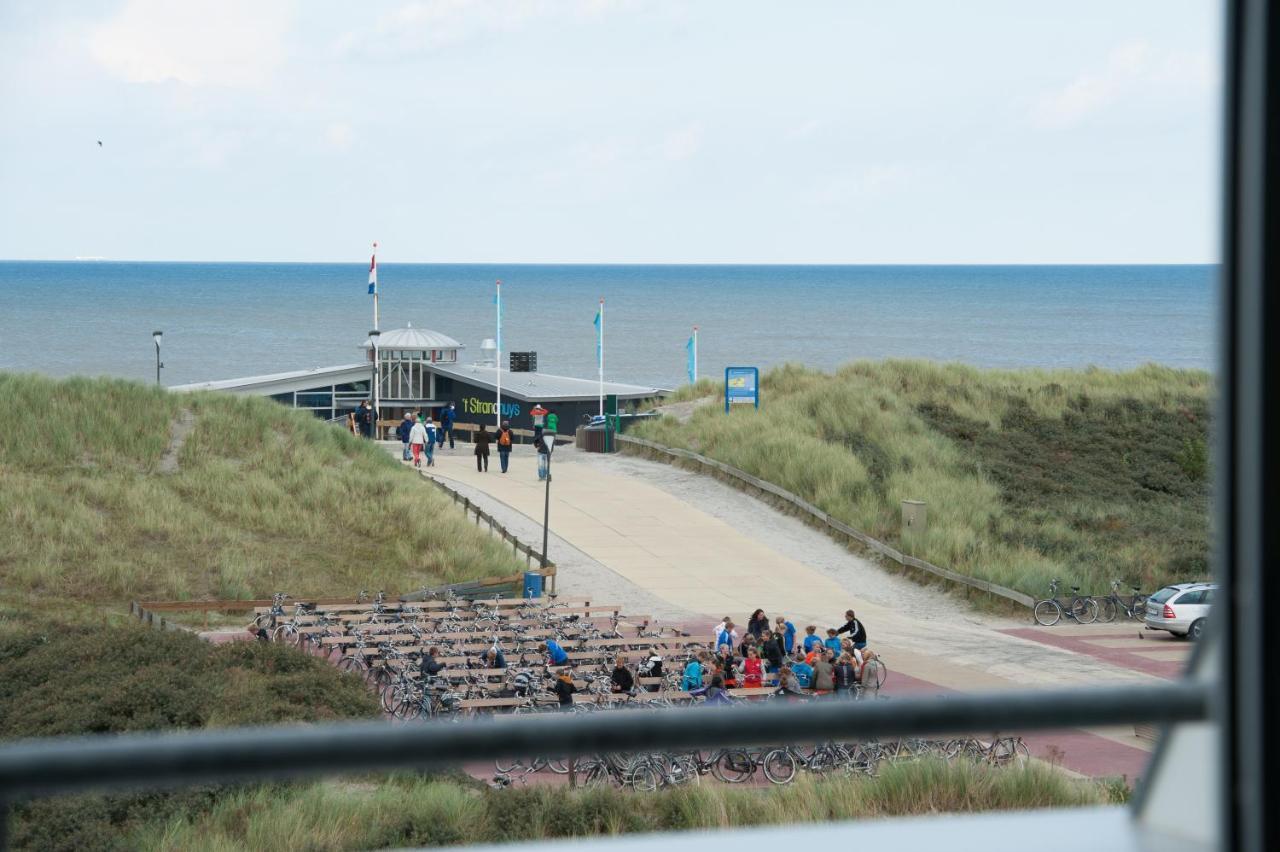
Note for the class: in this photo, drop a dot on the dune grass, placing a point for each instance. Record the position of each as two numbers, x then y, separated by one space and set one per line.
412 811
264 499
1088 475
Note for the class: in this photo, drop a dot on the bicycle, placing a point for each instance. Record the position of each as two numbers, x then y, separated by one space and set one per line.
1001 751
1113 604
1081 608
780 764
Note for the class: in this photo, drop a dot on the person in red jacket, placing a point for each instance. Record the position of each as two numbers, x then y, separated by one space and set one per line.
539 415
752 670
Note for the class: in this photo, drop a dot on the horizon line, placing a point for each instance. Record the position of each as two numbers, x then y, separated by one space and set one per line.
93 260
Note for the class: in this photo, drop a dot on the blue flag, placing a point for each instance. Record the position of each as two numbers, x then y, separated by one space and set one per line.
689 362
599 336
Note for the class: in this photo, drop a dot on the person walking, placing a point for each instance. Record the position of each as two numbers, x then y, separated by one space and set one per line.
402 432
416 441
482 450
539 415
430 446
447 418
544 458
757 623
365 418
504 442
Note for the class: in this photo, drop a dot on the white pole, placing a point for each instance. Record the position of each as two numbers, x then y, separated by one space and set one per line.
601 357
695 354
375 286
497 367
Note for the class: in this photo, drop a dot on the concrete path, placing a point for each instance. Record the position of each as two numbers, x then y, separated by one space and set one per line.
691 545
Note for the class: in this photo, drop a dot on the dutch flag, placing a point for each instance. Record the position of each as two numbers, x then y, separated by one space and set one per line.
373 273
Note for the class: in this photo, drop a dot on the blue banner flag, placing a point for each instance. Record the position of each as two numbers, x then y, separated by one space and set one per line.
599 342
689 360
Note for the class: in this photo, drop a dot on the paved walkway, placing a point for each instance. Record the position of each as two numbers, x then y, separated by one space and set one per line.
712 557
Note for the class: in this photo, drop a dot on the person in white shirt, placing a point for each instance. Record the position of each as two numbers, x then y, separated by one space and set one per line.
417 440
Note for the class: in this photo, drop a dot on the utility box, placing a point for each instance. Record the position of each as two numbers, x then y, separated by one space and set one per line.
915 518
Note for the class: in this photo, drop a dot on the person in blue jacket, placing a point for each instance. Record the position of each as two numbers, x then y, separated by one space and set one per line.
692 674
802 670
447 418
556 655
811 638
788 632
402 431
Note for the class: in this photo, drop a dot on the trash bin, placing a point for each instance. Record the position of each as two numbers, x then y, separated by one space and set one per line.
532 584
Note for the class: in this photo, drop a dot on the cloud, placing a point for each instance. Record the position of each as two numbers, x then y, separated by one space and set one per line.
1132 70
233 43
683 143
426 24
338 135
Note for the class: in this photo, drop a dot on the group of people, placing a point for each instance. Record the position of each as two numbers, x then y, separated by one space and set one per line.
812 664
420 435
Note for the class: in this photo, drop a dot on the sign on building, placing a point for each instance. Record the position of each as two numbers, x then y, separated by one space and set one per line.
741 386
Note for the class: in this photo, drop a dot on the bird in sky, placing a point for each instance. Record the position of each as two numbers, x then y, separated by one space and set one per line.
99 143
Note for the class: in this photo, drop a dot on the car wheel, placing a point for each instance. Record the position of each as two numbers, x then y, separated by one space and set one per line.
1196 630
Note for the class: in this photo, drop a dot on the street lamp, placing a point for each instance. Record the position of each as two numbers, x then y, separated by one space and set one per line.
548 441
373 415
156 335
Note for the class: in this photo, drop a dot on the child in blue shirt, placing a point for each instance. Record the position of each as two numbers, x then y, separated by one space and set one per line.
811 638
833 643
692 675
788 633
803 671
556 655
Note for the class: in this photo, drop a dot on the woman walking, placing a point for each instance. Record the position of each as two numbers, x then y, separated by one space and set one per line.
758 623
482 450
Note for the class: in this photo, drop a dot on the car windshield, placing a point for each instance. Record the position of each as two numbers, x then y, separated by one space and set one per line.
1163 595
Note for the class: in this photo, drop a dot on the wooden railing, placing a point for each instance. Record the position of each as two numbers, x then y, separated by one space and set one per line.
531 555
823 520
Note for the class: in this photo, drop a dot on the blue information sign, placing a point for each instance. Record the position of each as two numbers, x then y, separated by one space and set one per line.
741 386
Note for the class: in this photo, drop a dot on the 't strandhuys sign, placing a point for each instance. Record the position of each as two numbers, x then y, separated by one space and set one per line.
475 405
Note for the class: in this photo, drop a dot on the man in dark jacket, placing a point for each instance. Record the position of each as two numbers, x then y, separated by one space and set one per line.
621 680
430 665
447 418
772 649
365 418
402 432
854 628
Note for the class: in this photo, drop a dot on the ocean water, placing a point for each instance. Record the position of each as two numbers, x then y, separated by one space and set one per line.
223 320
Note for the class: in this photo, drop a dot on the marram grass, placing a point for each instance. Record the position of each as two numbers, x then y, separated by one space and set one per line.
408 811
264 499
1085 475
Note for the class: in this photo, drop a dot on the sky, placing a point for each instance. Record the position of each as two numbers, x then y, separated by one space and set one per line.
611 131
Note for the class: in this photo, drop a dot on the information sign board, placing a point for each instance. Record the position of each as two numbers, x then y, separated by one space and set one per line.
741 386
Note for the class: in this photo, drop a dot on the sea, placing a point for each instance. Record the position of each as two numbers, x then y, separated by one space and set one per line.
227 320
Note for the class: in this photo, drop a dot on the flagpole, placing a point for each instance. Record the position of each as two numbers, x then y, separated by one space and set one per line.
695 354
375 287
497 366
601 364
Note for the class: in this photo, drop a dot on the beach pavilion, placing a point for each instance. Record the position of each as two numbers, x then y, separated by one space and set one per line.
423 370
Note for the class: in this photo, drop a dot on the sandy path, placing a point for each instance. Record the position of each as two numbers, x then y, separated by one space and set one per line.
683 546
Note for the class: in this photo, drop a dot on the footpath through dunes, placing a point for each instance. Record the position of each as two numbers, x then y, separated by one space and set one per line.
661 538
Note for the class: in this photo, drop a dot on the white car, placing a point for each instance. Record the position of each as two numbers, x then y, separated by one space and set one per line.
1182 609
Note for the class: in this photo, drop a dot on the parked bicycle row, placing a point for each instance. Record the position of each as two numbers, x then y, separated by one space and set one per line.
1086 609
778 765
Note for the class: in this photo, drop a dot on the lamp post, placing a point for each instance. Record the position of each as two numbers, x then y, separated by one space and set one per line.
373 388
156 335
548 441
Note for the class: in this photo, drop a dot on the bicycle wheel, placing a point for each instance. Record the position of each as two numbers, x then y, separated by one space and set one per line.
507 765
1005 751
1139 608
558 765
1085 610
733 766
352 664
1107 610
779 766
874 674
1047 613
